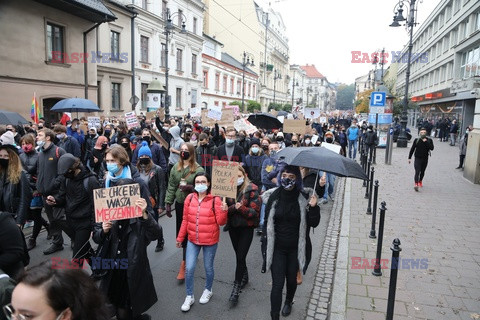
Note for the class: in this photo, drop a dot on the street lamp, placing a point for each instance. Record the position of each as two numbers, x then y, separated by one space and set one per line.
309 90
276 76
245 63
169 30
294 83
410 23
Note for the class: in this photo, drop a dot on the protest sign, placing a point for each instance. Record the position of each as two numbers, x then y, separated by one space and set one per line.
131 120
235 108
195 112
226 121
330 146
244 124
117 203
274 112
153 101
159 138
323 119
311 113
294 126
281 118
224 178
94 122
215 113
314 139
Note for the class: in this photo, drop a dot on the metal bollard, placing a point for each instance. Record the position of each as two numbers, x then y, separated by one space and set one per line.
393 277
364 168
369 207
377 271
369 163
374 153
374 215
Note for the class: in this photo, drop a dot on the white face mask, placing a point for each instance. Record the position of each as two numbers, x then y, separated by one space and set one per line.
240 181
307 141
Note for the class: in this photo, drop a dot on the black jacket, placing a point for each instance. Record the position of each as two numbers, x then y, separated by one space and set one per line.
71 145
11 246
30 164
253 167
237 156
421 148
204 155
157 186
139 276
371 138
309 182
15 198
47 182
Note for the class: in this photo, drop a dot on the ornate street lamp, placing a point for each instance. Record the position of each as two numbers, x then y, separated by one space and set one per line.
276 76
294 84
410 23
246 62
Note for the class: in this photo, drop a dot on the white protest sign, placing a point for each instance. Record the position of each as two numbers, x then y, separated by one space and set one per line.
281 118
131 120
244 124
314 139
215 113
323 119
330 146
94 122
196 112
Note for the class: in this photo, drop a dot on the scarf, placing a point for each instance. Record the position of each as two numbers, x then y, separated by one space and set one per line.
126 174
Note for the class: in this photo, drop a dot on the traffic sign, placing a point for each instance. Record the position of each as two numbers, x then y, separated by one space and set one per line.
378 99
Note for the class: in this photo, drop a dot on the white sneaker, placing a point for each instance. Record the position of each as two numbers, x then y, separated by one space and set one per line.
189 300
206 295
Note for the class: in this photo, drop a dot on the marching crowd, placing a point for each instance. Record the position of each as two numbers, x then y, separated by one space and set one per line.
55 168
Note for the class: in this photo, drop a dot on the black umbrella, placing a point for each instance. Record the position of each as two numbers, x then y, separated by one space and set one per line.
264 121
13 118
322 159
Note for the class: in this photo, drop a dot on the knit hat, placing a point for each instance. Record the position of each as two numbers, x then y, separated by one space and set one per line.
7 141
328 133
254 141
144 150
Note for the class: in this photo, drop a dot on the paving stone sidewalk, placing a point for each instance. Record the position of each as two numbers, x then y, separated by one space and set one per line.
440 223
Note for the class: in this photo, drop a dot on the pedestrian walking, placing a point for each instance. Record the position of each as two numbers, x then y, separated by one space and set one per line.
290 210
453 132
421 147
352 135
371 141
202 218
254 161
243 218
463 146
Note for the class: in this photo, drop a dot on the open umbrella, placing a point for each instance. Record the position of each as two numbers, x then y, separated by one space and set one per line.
322 159
75 105
264 121
13 118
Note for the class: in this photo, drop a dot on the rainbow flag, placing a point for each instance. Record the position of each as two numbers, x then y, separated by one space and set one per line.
35 112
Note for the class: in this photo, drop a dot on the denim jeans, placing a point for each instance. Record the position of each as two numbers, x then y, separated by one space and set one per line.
262 211
330 185
208 259
352 144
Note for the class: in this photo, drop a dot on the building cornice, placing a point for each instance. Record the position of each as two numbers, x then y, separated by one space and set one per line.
206 56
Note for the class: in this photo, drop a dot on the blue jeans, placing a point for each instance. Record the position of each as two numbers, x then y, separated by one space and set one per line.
352 144
329 187
191 261
262 211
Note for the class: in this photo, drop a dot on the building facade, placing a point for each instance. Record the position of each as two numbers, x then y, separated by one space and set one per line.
297 88
317 87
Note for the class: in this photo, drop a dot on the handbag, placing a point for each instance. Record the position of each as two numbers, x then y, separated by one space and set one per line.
100 254
37 202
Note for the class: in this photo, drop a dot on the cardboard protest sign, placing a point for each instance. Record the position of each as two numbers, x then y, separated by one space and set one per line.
294 126
117 203
94 122
224 178
244 124
235 108
215 113
131 120
226 121
159 138
151 115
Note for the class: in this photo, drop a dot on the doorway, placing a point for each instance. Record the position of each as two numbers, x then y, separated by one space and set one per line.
51 117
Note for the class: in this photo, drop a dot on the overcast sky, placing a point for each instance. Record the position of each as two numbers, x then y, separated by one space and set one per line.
325 32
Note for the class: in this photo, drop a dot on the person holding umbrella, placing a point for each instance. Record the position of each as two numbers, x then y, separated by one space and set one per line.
290 211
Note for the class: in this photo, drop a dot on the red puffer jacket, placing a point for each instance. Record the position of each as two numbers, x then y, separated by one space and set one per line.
200 222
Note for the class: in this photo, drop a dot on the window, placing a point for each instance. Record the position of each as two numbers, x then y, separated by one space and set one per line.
143 49
464 29
194 98
442 73
216 103
254 91
55 42
477 25
456 5
116 96
446 42
225 83
179 59
224 104
195 21
163 56
470 62
144 4
164 5
144 95
180 17
205 79
231 85
115 44
453 38
217 81
178 105
448 13
194 63
249 89
99 93
239 86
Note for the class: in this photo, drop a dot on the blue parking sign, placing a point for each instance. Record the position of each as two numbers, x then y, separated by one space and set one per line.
378 99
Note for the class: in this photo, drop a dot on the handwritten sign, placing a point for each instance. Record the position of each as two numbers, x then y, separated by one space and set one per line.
195 112
227 119
131 120
235 108
94 122
330 146
215 113
224 178
323 119
244 124
294 126
314 139
117 203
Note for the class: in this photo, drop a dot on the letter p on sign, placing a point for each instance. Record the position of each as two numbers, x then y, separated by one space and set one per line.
378 99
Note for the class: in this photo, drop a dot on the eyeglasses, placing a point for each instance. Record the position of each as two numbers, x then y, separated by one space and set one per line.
9 312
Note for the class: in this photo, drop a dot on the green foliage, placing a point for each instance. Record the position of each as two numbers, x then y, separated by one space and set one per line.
275 106
287 107
253 106
236 103
345 96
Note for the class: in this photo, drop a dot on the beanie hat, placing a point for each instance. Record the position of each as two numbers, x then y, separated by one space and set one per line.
328 133
144 150
254 141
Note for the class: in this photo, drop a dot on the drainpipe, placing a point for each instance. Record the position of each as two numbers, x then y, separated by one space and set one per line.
132 50
85 66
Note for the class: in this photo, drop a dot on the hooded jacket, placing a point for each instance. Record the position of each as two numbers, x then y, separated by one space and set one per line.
157 155
175 143
47 181
30 163
15 198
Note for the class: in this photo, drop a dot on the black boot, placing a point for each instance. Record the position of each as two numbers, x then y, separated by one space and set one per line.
235 293
287 308
244 281
275 316
160 245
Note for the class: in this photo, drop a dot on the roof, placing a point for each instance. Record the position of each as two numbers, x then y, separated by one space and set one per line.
91 10
234 62
312 72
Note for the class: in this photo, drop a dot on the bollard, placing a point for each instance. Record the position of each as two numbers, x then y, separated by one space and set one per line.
374 215
369 163
364 168
369 207
377 271
393 277
374 153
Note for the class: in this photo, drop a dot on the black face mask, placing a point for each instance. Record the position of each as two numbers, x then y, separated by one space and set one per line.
107 132
125 144
329 140
265 148
144 161
70 174
104 146
4 163
294 142
185 155
242 138
147 139
92 136
279 138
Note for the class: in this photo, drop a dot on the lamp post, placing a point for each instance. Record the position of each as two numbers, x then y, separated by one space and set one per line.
169 30
309 90
410 23
245 63
276 76
294 83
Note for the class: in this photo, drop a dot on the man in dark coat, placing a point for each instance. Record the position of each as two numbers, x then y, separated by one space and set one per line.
67 143
422 147
230 151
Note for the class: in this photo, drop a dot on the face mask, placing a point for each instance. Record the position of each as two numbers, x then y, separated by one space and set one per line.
75 126
242 138
112 168
329 140
107 132
27 147
92 135
423 135
147 139
70 174
144 161
287 183
307 141
61 136
125 144
240 181
201 188
294 142
255 150
4 163
9 130
185 155
40 143
279 138
104 146
229 142
273 152
265 147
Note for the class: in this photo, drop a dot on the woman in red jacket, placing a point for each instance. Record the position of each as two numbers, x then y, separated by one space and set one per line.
202 216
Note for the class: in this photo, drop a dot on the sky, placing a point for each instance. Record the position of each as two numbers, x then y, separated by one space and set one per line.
325 32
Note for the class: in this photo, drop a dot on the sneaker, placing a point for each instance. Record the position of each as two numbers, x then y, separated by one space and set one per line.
28 224
416 187
331 197
189 300
420 184
206 295
323 201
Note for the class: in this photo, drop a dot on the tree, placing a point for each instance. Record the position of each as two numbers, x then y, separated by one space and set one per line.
235 103
345 96
253 106
287 107
363 101
275 106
